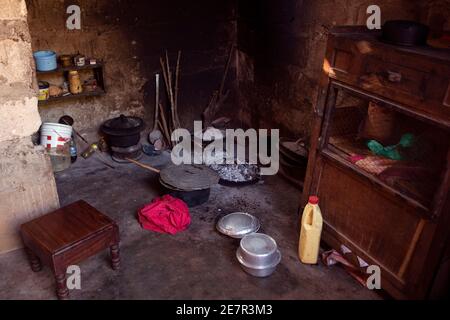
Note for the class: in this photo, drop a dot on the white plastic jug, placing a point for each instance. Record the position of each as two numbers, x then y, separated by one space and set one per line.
310 233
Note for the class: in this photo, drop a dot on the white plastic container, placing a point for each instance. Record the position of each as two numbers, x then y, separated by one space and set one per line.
55 135
311 231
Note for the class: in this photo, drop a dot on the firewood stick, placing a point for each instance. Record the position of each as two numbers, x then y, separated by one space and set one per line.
172 100
166 79
166 135
208 113
164 122
177 80
156 102
143 165
227 68
219 96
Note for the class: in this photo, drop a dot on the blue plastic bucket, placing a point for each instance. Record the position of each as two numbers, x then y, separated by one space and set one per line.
45 60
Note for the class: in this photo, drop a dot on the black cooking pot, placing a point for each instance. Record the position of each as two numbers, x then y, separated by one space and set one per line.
191 198
405 33
123 132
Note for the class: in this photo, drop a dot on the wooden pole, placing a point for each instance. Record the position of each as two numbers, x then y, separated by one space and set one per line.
143 165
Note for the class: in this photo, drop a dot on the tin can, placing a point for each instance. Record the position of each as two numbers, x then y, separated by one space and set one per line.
44 92
66 60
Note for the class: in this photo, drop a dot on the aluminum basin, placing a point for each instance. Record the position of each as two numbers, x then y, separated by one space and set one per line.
258 254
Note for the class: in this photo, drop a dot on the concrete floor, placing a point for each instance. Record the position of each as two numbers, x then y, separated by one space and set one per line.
199 263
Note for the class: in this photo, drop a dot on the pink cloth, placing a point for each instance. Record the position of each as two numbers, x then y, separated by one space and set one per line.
165 215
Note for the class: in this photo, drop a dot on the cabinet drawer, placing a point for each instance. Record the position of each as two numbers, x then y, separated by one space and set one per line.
396 74
379 75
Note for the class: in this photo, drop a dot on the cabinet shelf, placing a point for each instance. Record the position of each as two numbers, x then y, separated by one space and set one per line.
62 69
334 155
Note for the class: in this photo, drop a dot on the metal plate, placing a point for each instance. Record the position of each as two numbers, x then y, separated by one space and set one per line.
189 177
237 225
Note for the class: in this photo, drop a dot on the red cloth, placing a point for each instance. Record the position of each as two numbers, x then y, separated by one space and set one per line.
165 215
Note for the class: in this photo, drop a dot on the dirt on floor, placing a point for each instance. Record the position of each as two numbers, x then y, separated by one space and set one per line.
199 263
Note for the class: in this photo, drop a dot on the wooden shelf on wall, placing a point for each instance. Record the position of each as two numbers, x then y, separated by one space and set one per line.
96 69
96 93
62 69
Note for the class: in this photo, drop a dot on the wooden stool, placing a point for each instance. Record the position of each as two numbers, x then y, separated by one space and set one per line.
66 237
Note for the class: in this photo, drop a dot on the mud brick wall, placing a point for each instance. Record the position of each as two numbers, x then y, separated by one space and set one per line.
27 185
130 36
281 49
435 14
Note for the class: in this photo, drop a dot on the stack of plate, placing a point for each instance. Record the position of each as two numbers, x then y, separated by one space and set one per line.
258 253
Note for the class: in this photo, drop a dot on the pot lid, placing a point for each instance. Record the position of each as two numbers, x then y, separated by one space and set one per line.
188 177
238 225
123 125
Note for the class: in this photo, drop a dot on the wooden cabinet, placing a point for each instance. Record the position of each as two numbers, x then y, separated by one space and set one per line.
391 210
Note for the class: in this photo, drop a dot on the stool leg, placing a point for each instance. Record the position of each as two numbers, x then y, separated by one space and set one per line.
61 287
115 256
35 262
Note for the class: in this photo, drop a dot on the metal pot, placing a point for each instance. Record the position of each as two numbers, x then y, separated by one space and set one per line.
405 33
259 272
191 198
258 254
123 132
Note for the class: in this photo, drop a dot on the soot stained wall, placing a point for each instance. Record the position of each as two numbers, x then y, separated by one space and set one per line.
281 49
130 36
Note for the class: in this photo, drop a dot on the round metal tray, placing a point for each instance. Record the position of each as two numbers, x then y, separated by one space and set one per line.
189 177
237 225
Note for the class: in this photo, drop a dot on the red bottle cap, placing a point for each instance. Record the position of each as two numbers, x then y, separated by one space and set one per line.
314 200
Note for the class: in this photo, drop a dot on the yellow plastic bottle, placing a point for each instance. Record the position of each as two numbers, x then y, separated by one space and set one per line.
311 230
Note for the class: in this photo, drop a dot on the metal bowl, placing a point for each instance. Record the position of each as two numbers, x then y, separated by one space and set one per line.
260 271
237 225
258 250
